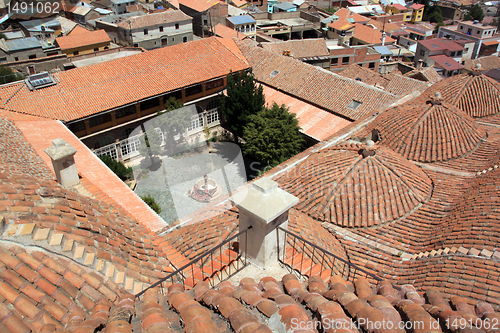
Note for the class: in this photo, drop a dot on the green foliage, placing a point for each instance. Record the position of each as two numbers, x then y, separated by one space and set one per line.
434 14
475 13
150 143
172 121
150 200
8 75
436 30
244 98
496 23
172 104
117 167
272 136
2 36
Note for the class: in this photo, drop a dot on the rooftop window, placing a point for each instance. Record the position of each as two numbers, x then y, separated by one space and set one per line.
354 105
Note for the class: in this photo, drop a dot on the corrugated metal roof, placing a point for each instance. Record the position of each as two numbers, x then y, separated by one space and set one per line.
285 5
383 50
23 44
243 19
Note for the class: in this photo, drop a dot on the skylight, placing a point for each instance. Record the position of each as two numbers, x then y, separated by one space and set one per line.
274 73
447 64
434 45
40 80
354 105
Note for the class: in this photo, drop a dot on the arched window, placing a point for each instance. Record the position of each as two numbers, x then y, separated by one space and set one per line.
126 133
199 109
253 27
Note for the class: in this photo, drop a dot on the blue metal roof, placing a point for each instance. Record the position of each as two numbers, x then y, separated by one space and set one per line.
285 6
23 44
242 19
383 50
122 1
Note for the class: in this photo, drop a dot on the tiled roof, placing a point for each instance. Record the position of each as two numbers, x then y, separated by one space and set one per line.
313 84
341 24
447 63
315 122
299 48
393 83
441 44
198 5
226 32
427 74
489 62
78 30
369 35
386 26
149 20
340 186
423 132
89 38
125 80
477 95
344 13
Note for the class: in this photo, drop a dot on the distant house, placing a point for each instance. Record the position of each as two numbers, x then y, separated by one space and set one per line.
284 7
444 54
25 49
206 14
365 35
152 31
82 43
120 6
485 37
313 51
396 8
82 14
44 29
418 12
244 24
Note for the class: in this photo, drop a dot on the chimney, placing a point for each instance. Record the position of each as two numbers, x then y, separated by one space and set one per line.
63 161
383 38
419 64
264 207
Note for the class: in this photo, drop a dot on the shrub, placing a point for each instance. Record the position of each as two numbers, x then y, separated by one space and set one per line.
117 167
150 200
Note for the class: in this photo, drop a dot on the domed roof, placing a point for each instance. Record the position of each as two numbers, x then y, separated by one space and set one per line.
429 130
477 95
355 186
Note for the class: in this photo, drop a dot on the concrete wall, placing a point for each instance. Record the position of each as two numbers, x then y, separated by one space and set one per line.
86 49
154 37
22 54
45 64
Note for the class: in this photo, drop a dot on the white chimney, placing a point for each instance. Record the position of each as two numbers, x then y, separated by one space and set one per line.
264 207
63 161
383 38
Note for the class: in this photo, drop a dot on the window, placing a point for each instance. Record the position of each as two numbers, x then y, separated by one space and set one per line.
214 84
466 50
96 49
136 45
422 53
371 65
173 39
345 60
16 59
176 94
98 120
149 104
452 54
126 111
335 61
47 35
212 116
75 53
177 26
161 28
4 59
77 127
196 122
145 31
478 32
469 31
184 39
33 56
193 90
461 27
459 53
214 104
354 105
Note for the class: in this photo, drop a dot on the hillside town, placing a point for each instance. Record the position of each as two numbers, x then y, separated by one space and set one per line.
250 166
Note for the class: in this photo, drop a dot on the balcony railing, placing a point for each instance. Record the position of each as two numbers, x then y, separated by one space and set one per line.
229 260
326 259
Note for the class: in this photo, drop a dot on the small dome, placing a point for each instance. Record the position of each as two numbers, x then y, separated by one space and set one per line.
355 186
428 130
476 94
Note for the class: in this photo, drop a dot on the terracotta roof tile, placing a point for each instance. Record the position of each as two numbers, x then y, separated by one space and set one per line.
149 20
197 5
303 48
126 80
427 74
226 32
369 35
487 63
313 84
88 38
424 132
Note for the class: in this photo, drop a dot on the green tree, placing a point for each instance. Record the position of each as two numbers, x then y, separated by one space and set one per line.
475 13
117 167
435 15
8 75
2 36
272 136
173 121
150 200
150 143
244 98
496 23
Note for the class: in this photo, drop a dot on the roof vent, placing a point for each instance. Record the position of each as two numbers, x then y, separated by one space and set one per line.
366 152
477 71
436 100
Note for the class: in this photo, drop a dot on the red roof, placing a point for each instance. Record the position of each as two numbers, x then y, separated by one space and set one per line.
199 5
398 6
416 6
441 44
88 38
370 35
82 92
446 62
